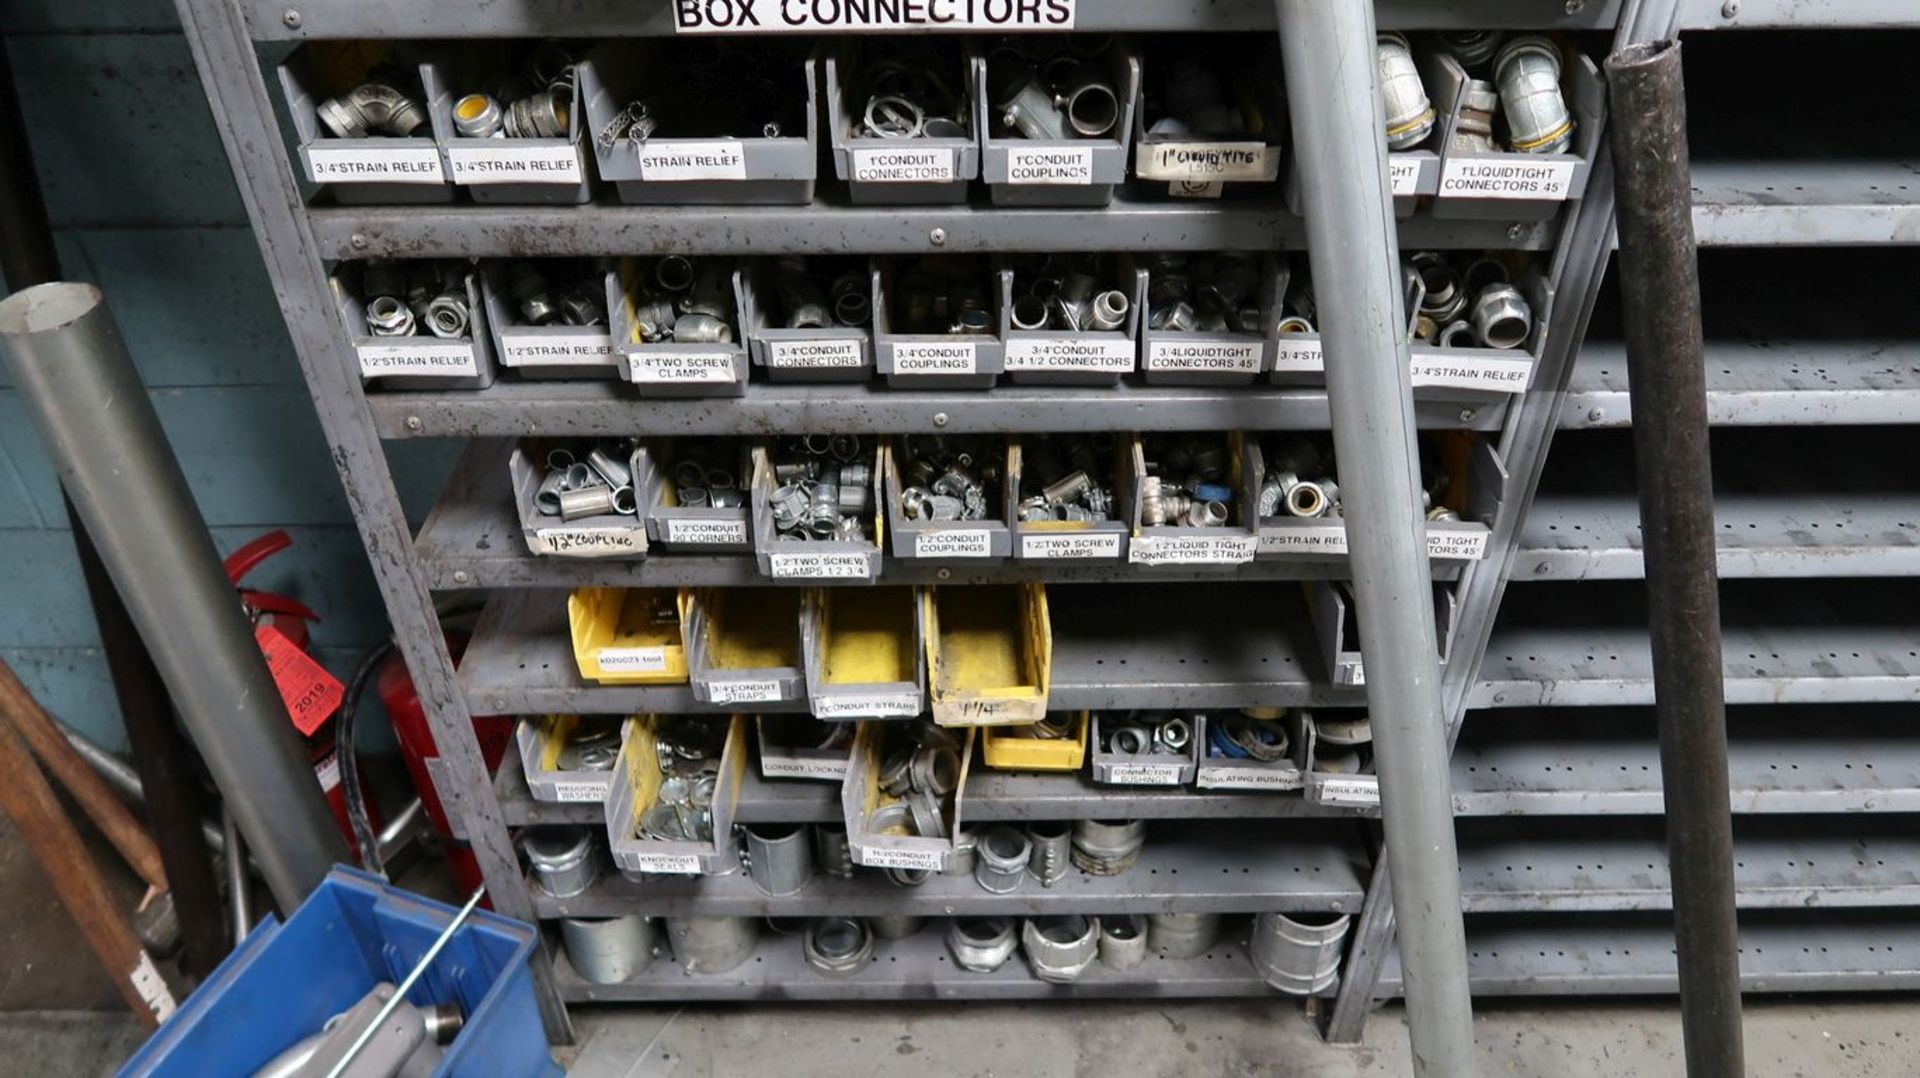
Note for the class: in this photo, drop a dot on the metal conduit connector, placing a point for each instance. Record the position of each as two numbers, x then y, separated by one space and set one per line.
1000 860
1093 109
1206 514
1052 851
712 944
1456 335
1025 105
1442 297
586 502
893 116
609 468
476 116
701 329
1028 312
1483 272
447 315
1175 734
1473 131
1107 847
1440 514
371 109
894 926
966 846
547 497
673 273
1298 954
1061 946
831 850
1123 941
1130 740
852 304
1501 317
778 858
1472 47
1528 73
562 860
546 114
609 950
981 944
839 946
1293 323
1409 113
387 316
1182 935
1109 310
1306 499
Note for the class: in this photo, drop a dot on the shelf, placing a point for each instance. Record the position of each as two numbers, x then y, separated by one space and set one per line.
991 797
472 539
1210 645
1774 382
1792 533
1205 869
1820 200
835 226
1560 870
612 18
1587 957
919 967
1783 14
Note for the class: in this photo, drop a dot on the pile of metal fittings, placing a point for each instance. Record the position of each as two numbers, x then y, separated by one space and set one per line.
540 102
907 97
590 744
1192 101
706 474
1249 734
1188 481
587 479
1470 305
402 297
1409 115
689 301
1148 733
1207 293
562 294
1057 482
372 110
1519 81
823 488
688 750
1342 744
1299 480
1057 94
1073 294
941 295
847 301
920 769
949 477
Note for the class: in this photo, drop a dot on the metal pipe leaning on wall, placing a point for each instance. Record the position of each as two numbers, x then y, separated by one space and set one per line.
80 387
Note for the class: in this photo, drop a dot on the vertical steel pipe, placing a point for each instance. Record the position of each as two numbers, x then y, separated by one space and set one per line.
1666 372
87 401
1328 54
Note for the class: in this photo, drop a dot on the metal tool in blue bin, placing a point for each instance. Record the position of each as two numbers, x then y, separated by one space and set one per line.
354 933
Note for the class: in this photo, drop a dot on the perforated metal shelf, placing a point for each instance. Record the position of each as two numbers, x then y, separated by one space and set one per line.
1779 382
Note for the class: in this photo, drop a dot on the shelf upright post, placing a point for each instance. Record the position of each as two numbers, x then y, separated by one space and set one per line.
1353 243
242 111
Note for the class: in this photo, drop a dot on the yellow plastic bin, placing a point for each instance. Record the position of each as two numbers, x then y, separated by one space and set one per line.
628 636
989 654
1015 748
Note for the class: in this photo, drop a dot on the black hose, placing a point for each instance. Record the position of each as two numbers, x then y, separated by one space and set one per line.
363 833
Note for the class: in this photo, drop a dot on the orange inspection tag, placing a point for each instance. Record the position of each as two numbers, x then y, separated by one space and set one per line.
310 692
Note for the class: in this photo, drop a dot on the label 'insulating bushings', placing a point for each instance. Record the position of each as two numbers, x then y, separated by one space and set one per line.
712 944
1298 954
609 950
779 860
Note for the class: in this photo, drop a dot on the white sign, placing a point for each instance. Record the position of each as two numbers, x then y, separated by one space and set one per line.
1234 357
1104 355
839 352
800 767
1317 537
673 368
987 711
1145 774
1349 791
1403 174
374 164
869 705
905 164
678 864
707 159
1191 549
1299 355
743 692
1071 546
574 792
1282 776
953 543
418 358
1457 541
589 542
1463 370
892 857
633 660
701 532
1206 161
514 161
858 16
522 349
1062 165
935 357
1509 177
849 566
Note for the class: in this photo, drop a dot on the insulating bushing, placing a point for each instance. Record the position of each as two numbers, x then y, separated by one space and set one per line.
1000 860
609 950
839 946
1107 847
1298 954
1182 935
981 944
712 944
1060 946
1123 941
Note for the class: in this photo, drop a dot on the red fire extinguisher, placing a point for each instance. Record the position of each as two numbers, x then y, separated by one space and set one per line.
417 747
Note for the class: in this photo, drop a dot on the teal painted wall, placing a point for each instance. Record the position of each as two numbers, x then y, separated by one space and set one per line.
144 205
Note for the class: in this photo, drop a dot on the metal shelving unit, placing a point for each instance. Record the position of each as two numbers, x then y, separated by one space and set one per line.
1160 638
